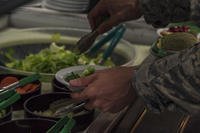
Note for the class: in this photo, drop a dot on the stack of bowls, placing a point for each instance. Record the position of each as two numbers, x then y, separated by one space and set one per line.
77 6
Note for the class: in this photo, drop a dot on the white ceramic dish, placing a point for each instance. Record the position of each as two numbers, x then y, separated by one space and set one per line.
63 73
159 31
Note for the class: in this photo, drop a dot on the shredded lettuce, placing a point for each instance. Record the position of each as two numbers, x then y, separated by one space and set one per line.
52 59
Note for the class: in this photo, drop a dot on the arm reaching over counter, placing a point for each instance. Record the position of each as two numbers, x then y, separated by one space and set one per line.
171 82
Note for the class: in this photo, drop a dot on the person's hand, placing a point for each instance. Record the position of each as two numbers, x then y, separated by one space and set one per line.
108 90
117 11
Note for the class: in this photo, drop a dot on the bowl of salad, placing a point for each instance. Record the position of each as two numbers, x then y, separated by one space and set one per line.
43 51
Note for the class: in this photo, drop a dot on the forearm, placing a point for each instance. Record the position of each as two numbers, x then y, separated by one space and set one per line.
171 82
159 13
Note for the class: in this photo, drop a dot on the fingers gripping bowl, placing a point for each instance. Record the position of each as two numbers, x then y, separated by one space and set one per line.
65 75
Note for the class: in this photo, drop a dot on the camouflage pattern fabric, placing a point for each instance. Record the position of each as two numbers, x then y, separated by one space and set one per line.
171 82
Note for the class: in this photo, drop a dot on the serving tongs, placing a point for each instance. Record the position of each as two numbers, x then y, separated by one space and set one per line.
70 108
85 44
64 125
61 126
114 36
8 95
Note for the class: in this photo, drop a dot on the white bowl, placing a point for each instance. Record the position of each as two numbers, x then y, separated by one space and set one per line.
63 73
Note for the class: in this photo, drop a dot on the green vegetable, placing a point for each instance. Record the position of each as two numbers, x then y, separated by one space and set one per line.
56 37
52 59
72 76
88 71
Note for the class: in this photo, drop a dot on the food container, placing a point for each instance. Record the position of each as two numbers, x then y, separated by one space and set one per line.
25 42
7 116
42 103
19 104
27 126
59 83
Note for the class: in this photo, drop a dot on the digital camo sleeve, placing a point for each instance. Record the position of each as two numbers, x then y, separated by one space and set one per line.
171 82
160 13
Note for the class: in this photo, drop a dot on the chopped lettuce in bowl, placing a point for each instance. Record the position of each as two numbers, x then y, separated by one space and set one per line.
52 59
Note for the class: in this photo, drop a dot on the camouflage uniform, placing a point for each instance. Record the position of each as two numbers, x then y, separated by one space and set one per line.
171 82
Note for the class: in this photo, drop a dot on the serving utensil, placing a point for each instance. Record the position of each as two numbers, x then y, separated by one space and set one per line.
8 95
114 41
64 125
86 42
20 83
70 108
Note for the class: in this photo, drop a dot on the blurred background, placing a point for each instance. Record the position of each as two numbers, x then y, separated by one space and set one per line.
40 19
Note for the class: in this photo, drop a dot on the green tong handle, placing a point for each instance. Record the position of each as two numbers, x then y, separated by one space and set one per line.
113 43
59 125
6 103
9 96
29 79
20 83
104 40
68 127
6 95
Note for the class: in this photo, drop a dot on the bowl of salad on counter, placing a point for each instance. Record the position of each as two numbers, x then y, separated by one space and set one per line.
27 126
5 114
46 105
26 91
61 81
41 50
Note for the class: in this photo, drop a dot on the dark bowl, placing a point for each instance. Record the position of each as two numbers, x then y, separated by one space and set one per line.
42 102
59 87
27 126
19 104
8 115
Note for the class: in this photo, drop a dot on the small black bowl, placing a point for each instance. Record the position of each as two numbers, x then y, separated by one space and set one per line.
59 87
42 102
19 104
8 115
27 126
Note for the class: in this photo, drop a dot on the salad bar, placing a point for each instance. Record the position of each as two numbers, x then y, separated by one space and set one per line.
50 53
37 64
